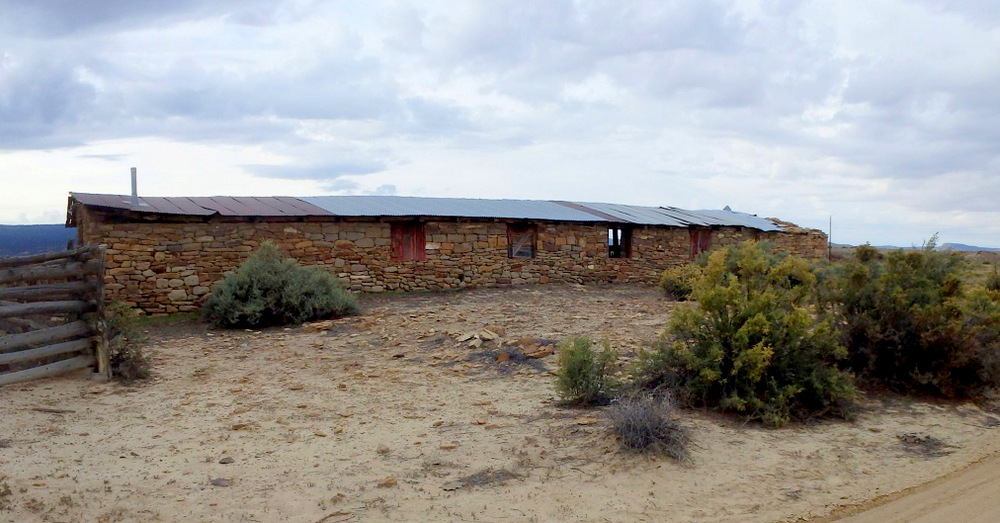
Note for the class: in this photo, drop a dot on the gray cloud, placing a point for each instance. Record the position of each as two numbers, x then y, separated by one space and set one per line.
324 172
899 94
53 18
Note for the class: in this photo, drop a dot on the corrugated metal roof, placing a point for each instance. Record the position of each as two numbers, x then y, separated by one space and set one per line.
636 214
405 206
450 207
738 219
206 206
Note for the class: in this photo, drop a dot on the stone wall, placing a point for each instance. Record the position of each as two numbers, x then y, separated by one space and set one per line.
811 244
164 267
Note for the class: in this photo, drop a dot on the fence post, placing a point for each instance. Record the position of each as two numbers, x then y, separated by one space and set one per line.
103 342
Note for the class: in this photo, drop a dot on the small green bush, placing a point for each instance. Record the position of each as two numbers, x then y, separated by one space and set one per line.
754 343
677 281
644 421
268 289
129 361
585 374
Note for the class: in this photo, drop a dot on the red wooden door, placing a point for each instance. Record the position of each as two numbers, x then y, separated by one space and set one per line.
700 241
408 241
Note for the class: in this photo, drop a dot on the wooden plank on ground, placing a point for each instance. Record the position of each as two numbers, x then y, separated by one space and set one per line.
46 371
45 307
47 351
13 342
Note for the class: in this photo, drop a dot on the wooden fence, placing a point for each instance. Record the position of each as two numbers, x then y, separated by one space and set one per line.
52 314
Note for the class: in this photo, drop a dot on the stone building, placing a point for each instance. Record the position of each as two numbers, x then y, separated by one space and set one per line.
164 254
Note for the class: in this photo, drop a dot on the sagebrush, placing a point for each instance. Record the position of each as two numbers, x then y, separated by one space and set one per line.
129 360
753 343
585 376
644 421
268 289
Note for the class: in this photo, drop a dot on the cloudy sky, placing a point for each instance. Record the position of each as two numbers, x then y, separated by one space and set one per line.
883 114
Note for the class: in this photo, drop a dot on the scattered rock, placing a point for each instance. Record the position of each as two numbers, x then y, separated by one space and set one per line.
500 330
222 482
240 426
388 482
924 445
382 449
226 460
453 485
448 446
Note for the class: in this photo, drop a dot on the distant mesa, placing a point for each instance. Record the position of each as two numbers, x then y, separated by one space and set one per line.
943 247
16 240
964 247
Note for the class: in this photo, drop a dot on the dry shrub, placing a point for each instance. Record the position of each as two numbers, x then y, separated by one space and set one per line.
644 421
126 342
910 324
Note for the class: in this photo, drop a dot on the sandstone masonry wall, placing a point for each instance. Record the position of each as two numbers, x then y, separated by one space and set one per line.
164 267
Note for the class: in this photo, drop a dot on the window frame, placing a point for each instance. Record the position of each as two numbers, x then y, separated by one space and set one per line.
516 233
619 242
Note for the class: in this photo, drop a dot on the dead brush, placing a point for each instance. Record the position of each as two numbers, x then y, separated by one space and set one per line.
644 422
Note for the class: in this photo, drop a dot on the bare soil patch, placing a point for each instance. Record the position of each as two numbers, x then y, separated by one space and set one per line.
387 416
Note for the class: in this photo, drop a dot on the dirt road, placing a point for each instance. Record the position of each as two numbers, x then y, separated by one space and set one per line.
969 495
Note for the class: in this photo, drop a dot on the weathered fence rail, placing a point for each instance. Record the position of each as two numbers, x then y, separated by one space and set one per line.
52 314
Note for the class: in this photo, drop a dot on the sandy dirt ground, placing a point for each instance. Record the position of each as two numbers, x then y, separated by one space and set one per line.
388 416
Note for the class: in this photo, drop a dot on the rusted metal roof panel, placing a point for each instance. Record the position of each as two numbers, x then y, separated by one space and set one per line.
400 206
148 204
206 206
259 206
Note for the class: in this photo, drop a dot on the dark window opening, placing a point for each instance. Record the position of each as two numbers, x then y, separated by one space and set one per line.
701 241
408 241
619 242
521 240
